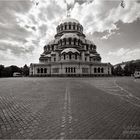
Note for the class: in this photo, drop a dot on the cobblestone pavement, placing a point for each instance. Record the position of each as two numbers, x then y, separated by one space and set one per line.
69 108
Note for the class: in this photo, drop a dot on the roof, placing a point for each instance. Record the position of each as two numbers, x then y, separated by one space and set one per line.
69 35
73 50
48 55
68 19
92 55
53 42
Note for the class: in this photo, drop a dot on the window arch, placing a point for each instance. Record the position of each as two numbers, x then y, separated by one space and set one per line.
69 70
87 48
45 70
61 42
74 41
65 27
65 41
102 70
69 26
70 41
66 69
98 70
69 55
64 56
78 42
73 27
38 70
76 56
41 70
95 70
52 47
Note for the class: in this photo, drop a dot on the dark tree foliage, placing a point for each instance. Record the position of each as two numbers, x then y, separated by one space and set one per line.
8 71
128 69
25 70
1 69
118 71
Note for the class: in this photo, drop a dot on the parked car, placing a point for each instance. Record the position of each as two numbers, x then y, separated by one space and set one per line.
17 74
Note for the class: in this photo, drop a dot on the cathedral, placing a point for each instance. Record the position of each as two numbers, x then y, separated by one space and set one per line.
70 53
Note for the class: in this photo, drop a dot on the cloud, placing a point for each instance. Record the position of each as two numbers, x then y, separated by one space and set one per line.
100 16
25 27
124 54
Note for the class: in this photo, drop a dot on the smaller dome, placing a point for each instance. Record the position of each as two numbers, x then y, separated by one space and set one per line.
69 35
68 19
73 50
89 41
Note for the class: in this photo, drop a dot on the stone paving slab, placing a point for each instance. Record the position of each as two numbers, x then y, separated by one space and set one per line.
69 108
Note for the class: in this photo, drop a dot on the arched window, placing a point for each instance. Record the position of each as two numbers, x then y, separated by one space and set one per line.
45 70
87 47
65 27
70 56
61 42
48 47
77 27
90 47
69 41
66 69
78 42
74 41
73 27
95 70
38 70
69 70
76 56
102 70
98 70
41 70
64 41
52 47
69 26
64 56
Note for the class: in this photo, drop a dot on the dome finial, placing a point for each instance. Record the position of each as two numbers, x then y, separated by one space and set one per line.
68 13
69 8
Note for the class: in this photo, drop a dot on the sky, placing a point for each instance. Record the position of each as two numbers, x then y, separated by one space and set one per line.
27 25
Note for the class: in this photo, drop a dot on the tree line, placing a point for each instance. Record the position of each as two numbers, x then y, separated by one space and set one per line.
8 71
128 69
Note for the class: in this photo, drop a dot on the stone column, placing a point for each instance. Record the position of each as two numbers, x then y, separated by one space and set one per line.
57 56
83 56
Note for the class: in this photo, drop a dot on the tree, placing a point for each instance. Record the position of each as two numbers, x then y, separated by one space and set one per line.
25 70
1 69
118 71
8 71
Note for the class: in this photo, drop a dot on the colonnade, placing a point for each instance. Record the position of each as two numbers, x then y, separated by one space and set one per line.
69 26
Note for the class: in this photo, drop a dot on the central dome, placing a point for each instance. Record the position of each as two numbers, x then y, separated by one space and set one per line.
68 19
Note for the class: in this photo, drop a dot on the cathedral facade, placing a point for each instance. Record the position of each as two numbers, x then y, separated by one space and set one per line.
70 54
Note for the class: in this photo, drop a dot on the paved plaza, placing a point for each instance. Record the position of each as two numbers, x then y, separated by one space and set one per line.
70 108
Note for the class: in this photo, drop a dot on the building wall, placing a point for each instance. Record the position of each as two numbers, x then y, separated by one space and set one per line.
70 69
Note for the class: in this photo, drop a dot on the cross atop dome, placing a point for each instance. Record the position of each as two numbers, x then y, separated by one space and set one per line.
68 13
69 8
